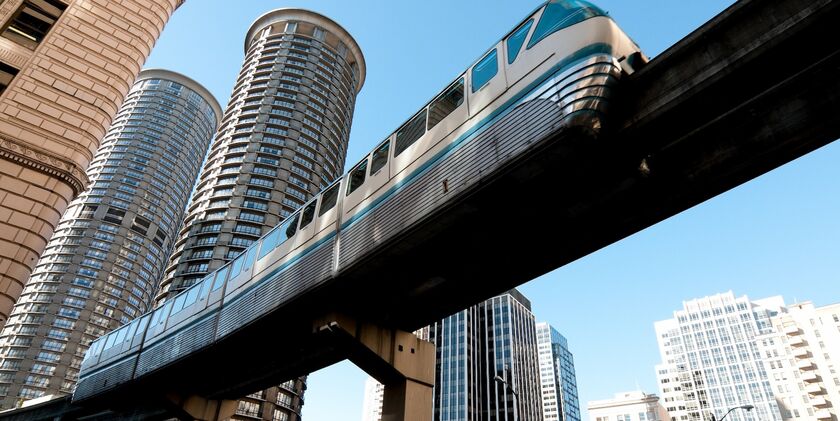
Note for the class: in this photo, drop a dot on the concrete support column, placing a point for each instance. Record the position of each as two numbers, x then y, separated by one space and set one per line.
407 400
402 362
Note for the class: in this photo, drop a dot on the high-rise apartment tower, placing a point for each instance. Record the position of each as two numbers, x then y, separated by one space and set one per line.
101 266
65 68
557 376
282 139
711 360
802 359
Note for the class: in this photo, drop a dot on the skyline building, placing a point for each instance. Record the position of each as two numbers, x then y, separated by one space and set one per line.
101 267
628 406
711 360
282 139
373 400
494 338
557 375
802 356
65 68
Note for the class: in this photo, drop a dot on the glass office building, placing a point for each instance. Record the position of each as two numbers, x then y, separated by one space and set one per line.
486 364
101 267
557 376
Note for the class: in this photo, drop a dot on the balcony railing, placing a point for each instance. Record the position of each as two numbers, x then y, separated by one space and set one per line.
819 401
810 377
792 330
823 414
815 389
801 352
806 364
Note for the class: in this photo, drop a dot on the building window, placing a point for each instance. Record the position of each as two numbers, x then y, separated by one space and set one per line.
241 242
7 73
253 217
31 22
284 399
251 409
28 393
198 267
202 254
247 229
279 415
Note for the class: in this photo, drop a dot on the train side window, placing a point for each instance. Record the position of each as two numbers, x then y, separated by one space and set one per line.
249 258
269 242
308 214
131 329
558 15
179 302
206 283
164 312
410 132
516 39
156 317
94 350
100 347
144 322
380 158
236 267
192 296
120 336
110 342
357 177
446 103
329 199
291 228
484 70
220 277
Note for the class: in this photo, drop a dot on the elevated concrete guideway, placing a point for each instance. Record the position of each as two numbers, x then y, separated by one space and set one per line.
754 88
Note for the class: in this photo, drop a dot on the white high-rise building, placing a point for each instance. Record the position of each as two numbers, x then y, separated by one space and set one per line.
557 376
711 361
628 406
372 406
802 356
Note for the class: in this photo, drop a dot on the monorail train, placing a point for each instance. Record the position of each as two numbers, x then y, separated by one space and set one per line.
560 63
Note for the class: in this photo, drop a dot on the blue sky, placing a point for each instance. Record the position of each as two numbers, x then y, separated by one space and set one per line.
777 235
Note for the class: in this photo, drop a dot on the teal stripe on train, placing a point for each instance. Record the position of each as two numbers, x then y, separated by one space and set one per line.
562 65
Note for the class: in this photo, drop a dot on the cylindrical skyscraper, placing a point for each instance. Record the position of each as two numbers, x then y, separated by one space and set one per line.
282 139
101 266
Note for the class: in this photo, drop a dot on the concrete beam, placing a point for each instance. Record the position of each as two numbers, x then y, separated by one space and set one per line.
197 408
399 360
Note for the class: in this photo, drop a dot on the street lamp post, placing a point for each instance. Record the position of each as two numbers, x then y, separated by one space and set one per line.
505 386
748 408
504 382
